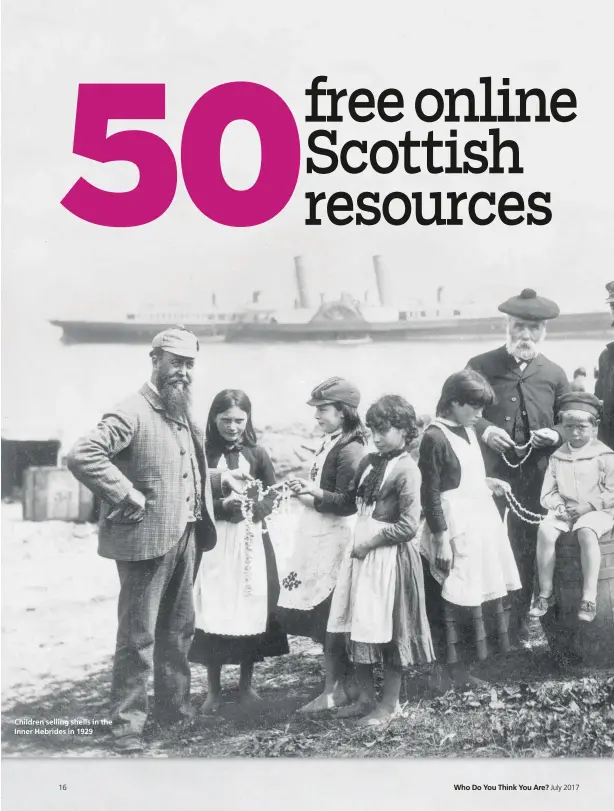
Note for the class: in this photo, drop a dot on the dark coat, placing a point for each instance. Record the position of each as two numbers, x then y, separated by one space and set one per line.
338 473
604 389
525 399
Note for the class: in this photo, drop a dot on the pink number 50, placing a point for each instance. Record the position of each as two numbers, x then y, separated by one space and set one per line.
153 194
200 154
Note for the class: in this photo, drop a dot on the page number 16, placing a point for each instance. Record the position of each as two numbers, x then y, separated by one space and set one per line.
97 104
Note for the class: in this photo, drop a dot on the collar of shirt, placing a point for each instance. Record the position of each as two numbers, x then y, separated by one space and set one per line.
153 388
522 364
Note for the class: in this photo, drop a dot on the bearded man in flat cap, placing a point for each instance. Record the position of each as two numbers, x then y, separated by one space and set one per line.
145 460
604 385
528 389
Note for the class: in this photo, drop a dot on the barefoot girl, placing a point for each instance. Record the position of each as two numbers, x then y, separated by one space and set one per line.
236 585
378 604
469 560
323 532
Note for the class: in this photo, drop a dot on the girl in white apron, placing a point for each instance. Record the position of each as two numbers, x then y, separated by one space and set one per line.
378 605
470 565
236 585
323 531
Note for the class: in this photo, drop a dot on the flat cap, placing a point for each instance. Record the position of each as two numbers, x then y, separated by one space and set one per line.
335 390
177 340
580 401
530 306
610 288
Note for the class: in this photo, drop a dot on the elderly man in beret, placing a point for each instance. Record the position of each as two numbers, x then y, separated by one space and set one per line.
145 460
604 385
518 430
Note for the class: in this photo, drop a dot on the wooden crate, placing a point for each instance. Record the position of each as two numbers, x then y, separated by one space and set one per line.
53 493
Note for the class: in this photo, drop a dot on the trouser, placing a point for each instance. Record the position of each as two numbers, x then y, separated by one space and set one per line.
156 627
526 484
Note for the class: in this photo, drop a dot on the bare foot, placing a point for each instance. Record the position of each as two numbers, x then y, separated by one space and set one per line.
325 701
356 710
379 716
211 705
249 696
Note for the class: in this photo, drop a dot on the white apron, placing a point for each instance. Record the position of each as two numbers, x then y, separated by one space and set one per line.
310 572
230 592
363 601
483 565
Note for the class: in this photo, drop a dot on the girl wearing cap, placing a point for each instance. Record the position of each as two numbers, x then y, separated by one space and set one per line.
236 586
378 607
469 565
323 531
578 492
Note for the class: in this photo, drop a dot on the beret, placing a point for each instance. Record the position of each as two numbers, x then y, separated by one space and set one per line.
177 340
580 401
530 306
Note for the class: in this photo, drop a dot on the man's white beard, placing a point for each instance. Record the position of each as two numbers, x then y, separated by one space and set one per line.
524 350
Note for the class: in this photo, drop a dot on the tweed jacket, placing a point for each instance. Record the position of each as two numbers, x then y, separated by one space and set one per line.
139 445
524 397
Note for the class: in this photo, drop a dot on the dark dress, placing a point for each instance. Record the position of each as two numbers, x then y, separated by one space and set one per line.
458 633
218 649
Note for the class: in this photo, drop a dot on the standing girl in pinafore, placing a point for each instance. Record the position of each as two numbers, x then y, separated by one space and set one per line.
322 533
468 558
378 605
237 586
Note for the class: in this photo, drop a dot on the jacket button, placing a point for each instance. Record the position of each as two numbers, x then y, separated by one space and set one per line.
188 498
524 413
182 452
507 419
185 475
514 399
179 427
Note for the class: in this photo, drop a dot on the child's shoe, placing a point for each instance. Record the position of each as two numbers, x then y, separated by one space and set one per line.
588 611
541 605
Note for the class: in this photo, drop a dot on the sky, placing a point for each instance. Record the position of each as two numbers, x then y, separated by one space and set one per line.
55 264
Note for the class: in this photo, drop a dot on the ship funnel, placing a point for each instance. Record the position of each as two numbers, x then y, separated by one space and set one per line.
439 294
256 296
383 283
301 283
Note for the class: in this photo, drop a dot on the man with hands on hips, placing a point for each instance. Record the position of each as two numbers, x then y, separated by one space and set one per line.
518 431
145 460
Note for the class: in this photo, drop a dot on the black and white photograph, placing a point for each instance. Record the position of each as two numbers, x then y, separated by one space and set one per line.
308 398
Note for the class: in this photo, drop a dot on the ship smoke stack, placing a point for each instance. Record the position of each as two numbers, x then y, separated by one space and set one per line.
439 294
383 283
213 300
256 296
301 283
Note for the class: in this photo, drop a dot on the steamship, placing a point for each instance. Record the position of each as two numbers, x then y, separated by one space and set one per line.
343 320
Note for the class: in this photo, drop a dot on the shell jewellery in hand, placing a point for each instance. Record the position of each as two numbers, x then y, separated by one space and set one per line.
521 512
519 448
282 495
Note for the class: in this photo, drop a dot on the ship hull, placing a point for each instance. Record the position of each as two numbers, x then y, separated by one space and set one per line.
114 332
572 325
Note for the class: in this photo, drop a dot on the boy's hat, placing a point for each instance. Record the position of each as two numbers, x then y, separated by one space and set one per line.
335 390
610 288
177 340
580 401
530 306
